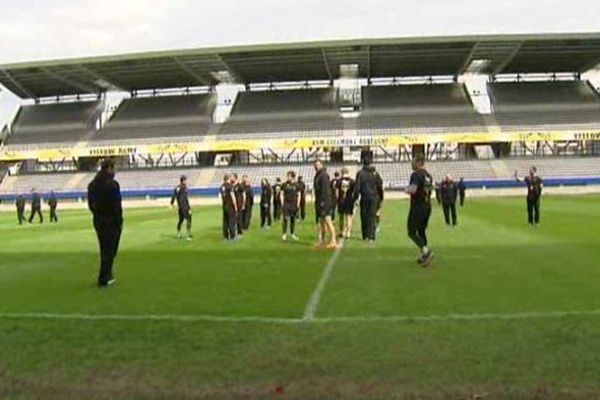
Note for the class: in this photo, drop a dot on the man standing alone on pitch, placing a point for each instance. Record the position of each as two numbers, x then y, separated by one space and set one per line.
229 206
36 206
369 187
462 191
104 201
419 189
240 199
20 204
535 186
302 188
180 194
323 206
449 193
291 204
53 204
249 202
266 192
277 200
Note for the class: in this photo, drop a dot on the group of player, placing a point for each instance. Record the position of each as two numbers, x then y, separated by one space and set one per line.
36 207
285 200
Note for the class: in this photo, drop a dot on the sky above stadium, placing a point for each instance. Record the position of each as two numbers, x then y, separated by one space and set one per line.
48 29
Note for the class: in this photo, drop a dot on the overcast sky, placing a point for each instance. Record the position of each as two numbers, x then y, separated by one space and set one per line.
42 29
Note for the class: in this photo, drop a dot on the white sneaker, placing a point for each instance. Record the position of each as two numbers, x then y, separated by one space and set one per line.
189 239
296 238
284 237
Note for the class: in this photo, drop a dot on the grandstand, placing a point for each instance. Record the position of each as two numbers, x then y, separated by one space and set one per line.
276 113
407 98
545 105
159 118
42 124
432 108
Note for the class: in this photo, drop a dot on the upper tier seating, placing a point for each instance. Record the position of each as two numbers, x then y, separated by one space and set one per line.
160 118
55 123
545 105
435 108
277 112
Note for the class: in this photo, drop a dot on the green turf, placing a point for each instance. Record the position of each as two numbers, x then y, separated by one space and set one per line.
492 263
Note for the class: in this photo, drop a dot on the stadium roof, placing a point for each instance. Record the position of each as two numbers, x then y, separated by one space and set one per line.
411 56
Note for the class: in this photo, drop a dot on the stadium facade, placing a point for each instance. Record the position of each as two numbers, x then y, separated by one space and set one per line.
475 105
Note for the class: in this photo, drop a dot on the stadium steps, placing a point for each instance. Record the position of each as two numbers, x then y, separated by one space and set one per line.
7 184
500 169
76 180
205 177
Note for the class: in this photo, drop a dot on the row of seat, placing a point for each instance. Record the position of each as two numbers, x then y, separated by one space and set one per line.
392 174
404 108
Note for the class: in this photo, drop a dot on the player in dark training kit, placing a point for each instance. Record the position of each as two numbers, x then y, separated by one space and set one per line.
20 204
334 194
36 206
180 194
535 186
266 193
240 198
291 205
419 189
249 203
323 206
104 201
302 187
449 194
277 200
229 206
53 204
369 187
345 203
462 191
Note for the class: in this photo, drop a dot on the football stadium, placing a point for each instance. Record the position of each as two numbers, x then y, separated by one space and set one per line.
498 136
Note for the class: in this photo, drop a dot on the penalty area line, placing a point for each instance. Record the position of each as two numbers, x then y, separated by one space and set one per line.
292 321
313 302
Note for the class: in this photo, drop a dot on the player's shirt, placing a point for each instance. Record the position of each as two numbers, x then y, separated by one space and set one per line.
36 201
534 187
239 191
291 193
265 195
226 190
277 194
424 183
345 190
52 202
322 189
180 194
448 192
20 203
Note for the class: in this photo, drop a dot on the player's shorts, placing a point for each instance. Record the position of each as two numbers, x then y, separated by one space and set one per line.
418 218
290 211
323 210
185 214
346 208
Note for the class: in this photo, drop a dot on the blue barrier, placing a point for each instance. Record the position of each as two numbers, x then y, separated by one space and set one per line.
214 191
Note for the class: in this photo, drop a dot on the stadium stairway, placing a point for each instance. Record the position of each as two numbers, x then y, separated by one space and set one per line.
77 180
206 176
500 169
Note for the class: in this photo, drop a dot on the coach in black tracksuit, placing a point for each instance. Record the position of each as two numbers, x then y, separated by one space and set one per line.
266 192
240 199
180 194
449 194
36 206
229 206
249 203
20 204
369 187
104 201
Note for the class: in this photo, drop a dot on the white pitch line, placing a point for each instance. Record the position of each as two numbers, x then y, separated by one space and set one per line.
293 321
315 298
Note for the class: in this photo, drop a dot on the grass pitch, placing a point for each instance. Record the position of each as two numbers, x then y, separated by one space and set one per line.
505 311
